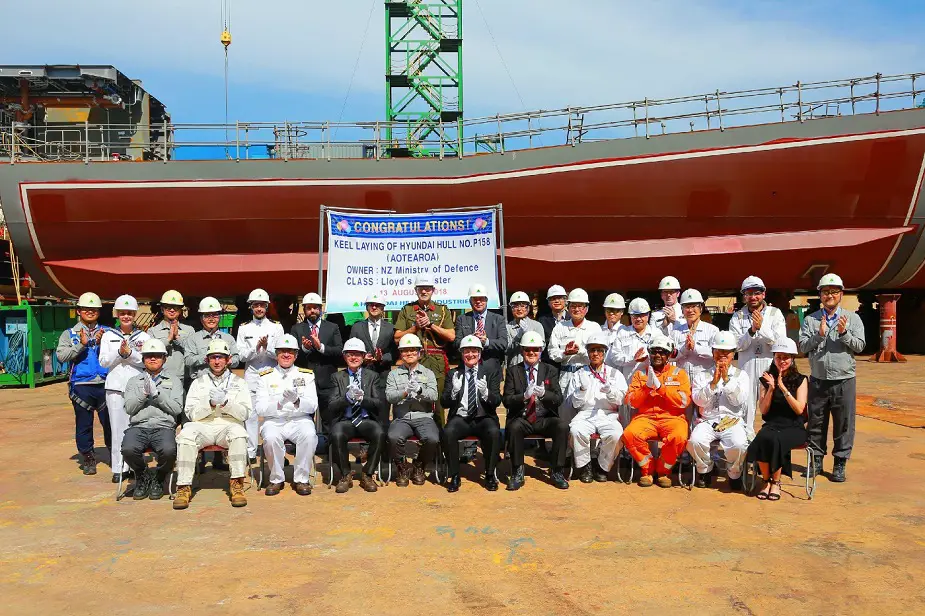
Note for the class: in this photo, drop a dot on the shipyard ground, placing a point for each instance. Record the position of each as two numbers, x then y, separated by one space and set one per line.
68 547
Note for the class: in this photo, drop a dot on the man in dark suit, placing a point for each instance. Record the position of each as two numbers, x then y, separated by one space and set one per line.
471 398
488 327
320 347
556 298
379 337
532 398
356 409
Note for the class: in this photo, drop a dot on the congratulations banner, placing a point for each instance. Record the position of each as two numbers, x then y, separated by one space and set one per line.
383 254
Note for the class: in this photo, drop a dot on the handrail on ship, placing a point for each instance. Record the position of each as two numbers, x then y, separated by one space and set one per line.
499 133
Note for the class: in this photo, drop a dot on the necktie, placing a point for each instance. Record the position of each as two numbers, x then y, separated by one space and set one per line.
531 403
354 412
480 325
375 336
314 329
473 397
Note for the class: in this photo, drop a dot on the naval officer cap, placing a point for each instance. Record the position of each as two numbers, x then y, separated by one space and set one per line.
423 281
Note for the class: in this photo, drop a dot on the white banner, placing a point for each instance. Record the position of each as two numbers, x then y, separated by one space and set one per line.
382 254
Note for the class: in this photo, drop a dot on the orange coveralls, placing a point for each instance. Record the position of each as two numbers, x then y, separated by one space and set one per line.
661 415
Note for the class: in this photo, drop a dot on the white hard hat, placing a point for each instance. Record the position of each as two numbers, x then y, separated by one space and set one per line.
375 299
258 295
669 283
785 345
753 282
311 298
124 302
691 296
208 305
409 341
470 342
152 346
354 344
289 342
218 346
533 340
171 298
423 281
519 296
598 339
89 300
639 306
615 300
478 290
723 341
578 296
660 341
830 280
556 290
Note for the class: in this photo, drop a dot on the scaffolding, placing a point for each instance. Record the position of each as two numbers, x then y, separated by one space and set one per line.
424 83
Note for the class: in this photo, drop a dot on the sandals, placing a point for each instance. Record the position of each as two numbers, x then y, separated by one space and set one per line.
771 495
762 495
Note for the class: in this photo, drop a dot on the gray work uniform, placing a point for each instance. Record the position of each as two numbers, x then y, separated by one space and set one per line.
176 349
412 415
197 347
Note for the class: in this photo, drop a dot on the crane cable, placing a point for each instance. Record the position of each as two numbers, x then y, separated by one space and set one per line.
226 42
356 65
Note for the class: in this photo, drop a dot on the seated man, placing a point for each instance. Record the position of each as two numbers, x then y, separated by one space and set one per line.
153 403
722 398
412 390
357 410
661 393
287 401
596 393
217 405
471 403
532 398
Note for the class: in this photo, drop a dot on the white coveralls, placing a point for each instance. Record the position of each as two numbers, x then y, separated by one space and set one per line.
221 424
121 369
249 335
727 399
700 358
755 355
563 333
657 320
596 396
622 356
287 401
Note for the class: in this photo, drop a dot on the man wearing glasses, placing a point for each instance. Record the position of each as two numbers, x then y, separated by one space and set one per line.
830 337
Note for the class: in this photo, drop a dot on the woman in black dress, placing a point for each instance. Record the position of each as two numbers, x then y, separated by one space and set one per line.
782 403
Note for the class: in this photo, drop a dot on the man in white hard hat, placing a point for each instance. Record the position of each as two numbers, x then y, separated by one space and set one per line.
831 337
287 402
629 352
411 389
721 397
665 318
321 347
120 354
173 334
488 327
532 398
520 323
471 401
197 345
596 394
357 409
614 307
153 403
693 337
379 337
567 344
756 326
217 405
256 345
80 346
557 299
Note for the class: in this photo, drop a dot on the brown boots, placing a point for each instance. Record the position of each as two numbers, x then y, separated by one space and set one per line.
404 473
418 477
237 492
181 499
345 483
368 483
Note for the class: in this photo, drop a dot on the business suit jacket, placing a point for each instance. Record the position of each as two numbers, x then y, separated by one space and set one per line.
386 343
496 332
516 384
490 406
374 401
325 364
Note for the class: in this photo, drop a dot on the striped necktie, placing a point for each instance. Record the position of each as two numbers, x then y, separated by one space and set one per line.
473 397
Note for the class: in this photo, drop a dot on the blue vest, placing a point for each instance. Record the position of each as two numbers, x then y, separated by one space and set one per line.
86 366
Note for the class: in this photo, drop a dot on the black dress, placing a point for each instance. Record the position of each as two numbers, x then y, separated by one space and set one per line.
781 432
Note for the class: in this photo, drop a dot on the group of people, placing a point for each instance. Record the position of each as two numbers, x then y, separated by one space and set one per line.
667 376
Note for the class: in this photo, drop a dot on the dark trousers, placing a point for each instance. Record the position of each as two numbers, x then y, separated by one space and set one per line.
162 440
87 399
369 430
555 428
837 399
486 428
400 430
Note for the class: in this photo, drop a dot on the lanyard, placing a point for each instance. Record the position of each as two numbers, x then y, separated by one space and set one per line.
224 382
600 377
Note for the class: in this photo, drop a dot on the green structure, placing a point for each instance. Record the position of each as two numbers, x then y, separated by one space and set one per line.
423 77
28 338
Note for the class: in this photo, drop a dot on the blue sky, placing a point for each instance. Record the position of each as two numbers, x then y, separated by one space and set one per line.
292 59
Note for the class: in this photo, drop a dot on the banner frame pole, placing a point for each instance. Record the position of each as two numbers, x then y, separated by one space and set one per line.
499 208
322 224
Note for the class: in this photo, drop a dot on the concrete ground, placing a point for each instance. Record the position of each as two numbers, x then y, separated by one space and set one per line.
594 549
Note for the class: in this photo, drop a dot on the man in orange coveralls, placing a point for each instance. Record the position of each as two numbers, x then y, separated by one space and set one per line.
661 394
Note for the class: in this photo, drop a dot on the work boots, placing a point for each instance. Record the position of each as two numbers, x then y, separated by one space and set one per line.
155 487
142 486
704 480
368 483
838 472
181 500
585 475
418 476
89 463
817 462
404 473
600 475
237 492
345 483
664 481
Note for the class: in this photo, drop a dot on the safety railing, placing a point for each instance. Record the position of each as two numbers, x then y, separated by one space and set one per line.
646 118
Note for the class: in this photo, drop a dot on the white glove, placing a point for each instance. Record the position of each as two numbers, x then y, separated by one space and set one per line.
217 396
530 392
457 383
539 391
652 381
290 395
150 387
354 394
481 386
584 381
411 387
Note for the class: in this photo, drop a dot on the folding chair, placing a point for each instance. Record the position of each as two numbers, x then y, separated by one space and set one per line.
416 441
290 448
570 459
120 494
251 472
352 441
465 441
809 485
